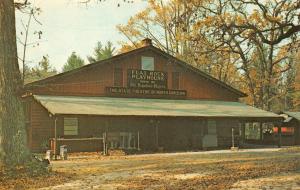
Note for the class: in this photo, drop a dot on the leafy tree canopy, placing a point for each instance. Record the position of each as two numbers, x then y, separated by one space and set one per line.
246 43
296 92
41 71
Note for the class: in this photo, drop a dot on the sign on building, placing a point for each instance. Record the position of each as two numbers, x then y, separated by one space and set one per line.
147 79
146 83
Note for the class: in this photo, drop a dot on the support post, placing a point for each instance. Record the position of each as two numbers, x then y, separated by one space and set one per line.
232 137
55 138
104 144
279 136
260 132
297 134
243 132
156 135
233 148
138 140
103 137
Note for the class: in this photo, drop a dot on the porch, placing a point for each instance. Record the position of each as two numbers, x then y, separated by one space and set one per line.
148 124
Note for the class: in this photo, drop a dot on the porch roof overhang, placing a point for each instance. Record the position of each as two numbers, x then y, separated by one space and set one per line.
108 106
295 115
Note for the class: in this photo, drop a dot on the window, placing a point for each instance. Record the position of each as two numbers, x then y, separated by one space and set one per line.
252 130
175 80
70 126
118 77
148 63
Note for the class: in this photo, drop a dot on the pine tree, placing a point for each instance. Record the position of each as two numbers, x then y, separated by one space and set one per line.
73 62
101 53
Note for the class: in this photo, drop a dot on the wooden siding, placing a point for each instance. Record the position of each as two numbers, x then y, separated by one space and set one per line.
224 132
93 80
295 138
41 127
173 133
180 134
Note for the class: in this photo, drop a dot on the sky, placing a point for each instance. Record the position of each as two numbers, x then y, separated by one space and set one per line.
69 26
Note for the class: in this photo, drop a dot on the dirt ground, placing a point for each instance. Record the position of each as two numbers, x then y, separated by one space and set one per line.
23 181
245 169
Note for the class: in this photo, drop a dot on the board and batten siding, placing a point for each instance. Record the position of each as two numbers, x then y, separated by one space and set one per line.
92 80
41 127
224 132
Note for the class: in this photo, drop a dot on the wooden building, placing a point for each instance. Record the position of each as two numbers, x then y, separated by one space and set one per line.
290 130
144 100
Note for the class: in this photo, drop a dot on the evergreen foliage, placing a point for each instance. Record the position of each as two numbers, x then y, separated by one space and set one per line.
73 62
101 53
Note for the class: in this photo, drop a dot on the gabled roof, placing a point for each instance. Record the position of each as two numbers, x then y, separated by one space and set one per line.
295 115
79 105
142 49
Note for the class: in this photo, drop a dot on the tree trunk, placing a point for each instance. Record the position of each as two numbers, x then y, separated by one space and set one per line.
13 149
